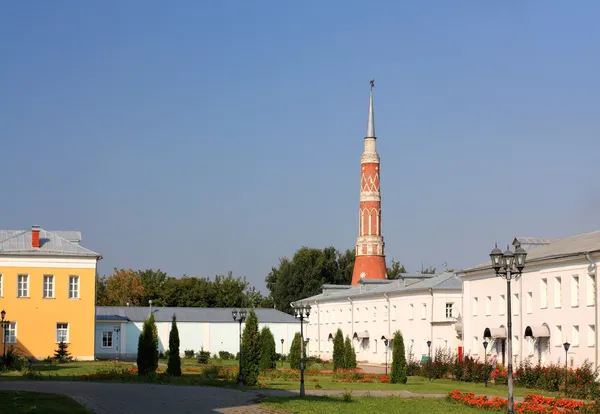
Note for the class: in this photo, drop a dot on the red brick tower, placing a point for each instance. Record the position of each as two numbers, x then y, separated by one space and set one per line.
370 248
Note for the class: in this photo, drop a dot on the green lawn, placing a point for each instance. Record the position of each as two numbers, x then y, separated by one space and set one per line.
193 375
18 402
319 405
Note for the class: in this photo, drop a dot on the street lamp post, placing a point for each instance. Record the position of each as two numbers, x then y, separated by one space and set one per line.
566 345
240 316
485 344
385 343
5 324
429 359
301 312
509 266
282 353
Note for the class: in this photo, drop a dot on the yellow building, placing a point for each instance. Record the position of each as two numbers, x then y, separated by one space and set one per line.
48 292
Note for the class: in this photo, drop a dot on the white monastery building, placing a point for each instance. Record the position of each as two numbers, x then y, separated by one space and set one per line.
554 301
423 307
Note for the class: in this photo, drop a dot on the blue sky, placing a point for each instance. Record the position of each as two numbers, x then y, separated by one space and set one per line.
201 137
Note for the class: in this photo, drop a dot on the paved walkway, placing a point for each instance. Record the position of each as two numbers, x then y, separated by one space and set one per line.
112 398
116 398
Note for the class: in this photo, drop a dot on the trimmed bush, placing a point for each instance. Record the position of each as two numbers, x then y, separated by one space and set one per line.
349 355
338 350
267 349
251 350
174 363
398 360
203 356
147 357
294 356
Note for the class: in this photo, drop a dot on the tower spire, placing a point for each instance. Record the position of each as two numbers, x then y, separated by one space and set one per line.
370 247
371 120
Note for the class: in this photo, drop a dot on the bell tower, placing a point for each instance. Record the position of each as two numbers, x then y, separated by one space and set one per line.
370 248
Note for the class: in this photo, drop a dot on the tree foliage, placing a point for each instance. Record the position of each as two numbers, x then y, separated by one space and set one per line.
349 354
147 356
294 356
251 349
138 287
267 349
429 271
339 353
304 274
174 363
398 360
396 269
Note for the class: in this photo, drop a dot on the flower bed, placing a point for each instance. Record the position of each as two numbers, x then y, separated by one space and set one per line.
532 404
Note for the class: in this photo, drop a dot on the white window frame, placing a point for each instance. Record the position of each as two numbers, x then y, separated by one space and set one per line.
60 328
23 292
590 290
591 335
8 337
475 305
575 291
543 293
411 312
488 305
106 338
558 292
502 305
74 293
1 286
529 303
51 290
516 304
449 307
575 335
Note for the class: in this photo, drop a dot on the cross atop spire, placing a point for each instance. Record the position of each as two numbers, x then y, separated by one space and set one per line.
371 121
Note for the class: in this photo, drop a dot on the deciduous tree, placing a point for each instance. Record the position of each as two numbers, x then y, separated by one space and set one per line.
123 286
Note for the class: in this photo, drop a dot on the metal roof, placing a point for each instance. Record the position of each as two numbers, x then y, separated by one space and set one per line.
52 243
553 248
188 314
444 281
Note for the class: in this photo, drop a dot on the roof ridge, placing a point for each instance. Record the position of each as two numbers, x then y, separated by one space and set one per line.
70 242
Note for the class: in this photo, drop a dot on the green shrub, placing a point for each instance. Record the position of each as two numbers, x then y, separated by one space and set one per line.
349 354
398 360
339 353
294 356
189 353
203 356
174 363
62 354
147 357
251 350
226 355
267 349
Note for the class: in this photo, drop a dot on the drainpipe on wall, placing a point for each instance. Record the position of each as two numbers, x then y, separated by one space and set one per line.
593 271
318 327
389 316
431 321
351 316
521 320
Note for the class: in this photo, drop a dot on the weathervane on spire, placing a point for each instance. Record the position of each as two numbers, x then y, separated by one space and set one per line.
372 82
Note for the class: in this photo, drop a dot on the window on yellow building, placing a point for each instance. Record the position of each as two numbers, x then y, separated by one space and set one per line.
62 332
73 287
48 286
10 333
1 286
23 286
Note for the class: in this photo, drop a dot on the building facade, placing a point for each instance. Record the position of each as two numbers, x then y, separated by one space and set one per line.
423 307
553 302
210 329
370 248
48 292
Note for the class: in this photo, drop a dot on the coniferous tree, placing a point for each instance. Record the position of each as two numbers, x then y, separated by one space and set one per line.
62 353
338 350
174 363
250 349
267 349
147 357
294 356
349 355
398 360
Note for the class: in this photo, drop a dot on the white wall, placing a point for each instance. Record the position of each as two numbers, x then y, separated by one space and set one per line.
382 317
573 310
